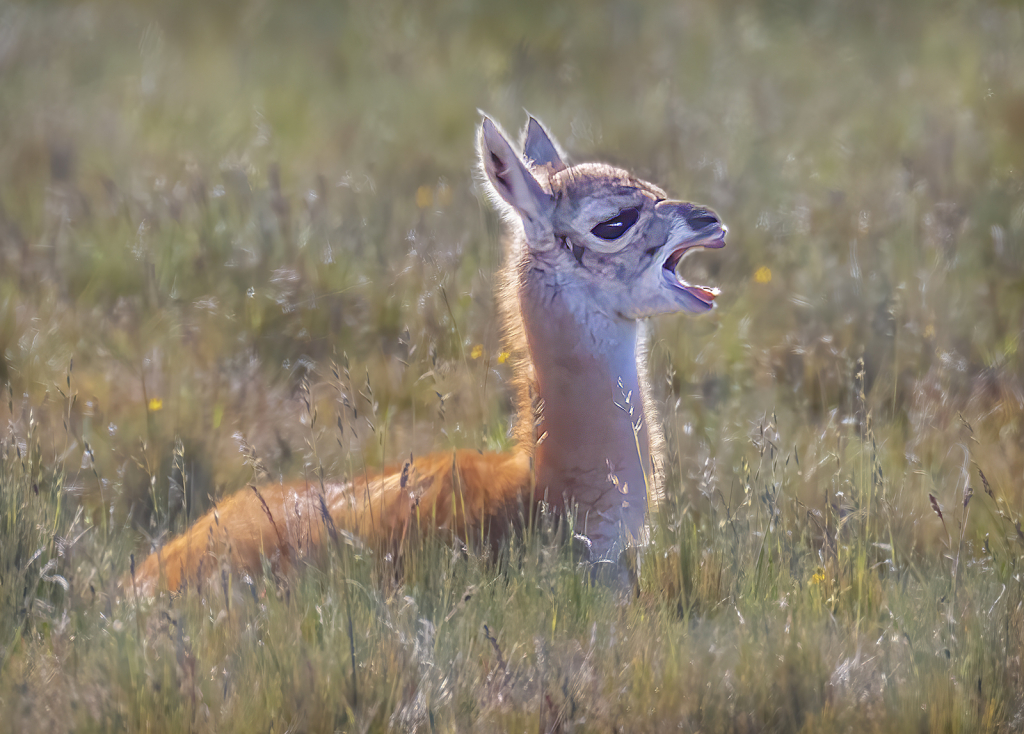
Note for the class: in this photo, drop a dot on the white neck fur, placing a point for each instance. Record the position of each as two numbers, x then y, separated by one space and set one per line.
593 424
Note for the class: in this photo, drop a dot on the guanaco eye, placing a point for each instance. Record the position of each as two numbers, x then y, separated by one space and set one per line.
612 229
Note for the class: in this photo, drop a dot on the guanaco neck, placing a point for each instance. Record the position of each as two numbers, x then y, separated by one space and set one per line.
592 423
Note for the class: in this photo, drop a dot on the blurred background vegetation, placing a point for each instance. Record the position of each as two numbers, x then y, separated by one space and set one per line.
210 211
201 204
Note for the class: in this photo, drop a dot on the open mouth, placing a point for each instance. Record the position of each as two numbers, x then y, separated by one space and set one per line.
713 240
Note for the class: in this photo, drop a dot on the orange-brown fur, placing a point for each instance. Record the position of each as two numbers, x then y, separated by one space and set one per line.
464 492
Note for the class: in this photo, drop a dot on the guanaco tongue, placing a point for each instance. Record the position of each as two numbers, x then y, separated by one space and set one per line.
705 294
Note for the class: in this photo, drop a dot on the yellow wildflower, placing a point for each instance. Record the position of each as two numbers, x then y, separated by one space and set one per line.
155 404
478 351
763 275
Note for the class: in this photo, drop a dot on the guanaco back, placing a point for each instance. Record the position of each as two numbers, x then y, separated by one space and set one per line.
591 253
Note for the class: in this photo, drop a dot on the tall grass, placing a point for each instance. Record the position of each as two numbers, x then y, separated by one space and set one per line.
243 242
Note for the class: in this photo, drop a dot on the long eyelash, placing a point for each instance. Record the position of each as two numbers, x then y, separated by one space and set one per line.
576 250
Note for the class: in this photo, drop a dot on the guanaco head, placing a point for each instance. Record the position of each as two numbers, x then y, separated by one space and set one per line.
597 228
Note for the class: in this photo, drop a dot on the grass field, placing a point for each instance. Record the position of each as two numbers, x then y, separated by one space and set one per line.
242 241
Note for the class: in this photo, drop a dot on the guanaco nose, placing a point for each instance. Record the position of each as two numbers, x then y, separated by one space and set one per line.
699 218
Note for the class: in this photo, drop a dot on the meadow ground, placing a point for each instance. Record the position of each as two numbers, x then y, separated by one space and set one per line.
242 241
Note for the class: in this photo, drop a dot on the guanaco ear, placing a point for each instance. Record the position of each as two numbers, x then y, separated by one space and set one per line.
539 147
514 183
